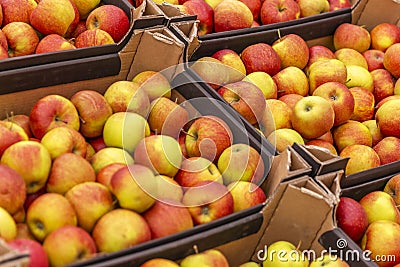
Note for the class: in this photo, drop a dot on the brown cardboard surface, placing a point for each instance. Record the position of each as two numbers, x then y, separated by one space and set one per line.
372 12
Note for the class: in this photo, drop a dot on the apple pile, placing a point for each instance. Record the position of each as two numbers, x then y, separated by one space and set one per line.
373 222
30 27
344 98
98 173
226 15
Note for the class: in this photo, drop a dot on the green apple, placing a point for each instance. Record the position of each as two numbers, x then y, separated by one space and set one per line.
125 130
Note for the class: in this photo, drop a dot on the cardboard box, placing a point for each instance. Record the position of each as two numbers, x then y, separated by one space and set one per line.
12 258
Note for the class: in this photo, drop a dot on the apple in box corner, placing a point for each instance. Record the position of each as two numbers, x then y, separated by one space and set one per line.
94 37
384 35
353 36
109 18
311 7
21 37
204 13
361 158
232 15
53 43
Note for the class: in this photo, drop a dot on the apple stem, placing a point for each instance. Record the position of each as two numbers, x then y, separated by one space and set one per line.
82 120
176 100
196 249
187 133
279 34
298 245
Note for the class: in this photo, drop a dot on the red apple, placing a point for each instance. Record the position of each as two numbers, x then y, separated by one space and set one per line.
37 254
245 195
109 18
23 121
350 133
52 111
326 70
80 27
105 174
208 201
353 36
374 59
391 61
255 8
323 144
364 104
10 133
387 118
157 218
338 4
94 37
318 52
233 60
246 98
13 189
274 11
290 99
289 45
351 218
291 80
341 99
97 143
205 15
383 84
261 57
232 15
53 43
21 37
361 158
208 137
384 35
17 10
387 149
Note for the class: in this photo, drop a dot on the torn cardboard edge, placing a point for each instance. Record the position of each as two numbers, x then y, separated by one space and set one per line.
365 12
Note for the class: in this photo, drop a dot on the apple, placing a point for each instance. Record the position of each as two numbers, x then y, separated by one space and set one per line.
318 52
249 264
37 254
18 10
168 189
120 229
374 58
383 84
379 205
208 201
287 253
391 187
291 80
85 7
351 218
384 35
311 8
387 149
232 15
350 56
212 71
290 99
21 120
10 133
208 136
30 197
110 155
49 212
233 60
80 27
81 245
289 45
387 118
135 187
125 130
21 37
327 70
52 111
261 57
246 195
246 98
386 99
160 153
397 87
361 158
359 77
109 18
380 239
255 24
255 8
282 138
391 62
13 189
275 11
210 257
8 227
93 110
156 262
90 201
277 115
340 97
55 16
204 13
53 43
31 160
93 37
156 218
313 110
364 104
167 117
264 82
105 174
23 232
61 140
196 169
154 83
339 4
327 137
374 130
323 144
351 36
351 133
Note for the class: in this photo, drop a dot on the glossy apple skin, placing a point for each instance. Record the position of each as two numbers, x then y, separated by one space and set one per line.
261 57
37 254
351 218
289 45
21 37
361 158
351 36
205 15
274 11
232 15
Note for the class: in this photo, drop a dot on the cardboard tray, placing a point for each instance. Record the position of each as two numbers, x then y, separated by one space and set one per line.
35 71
